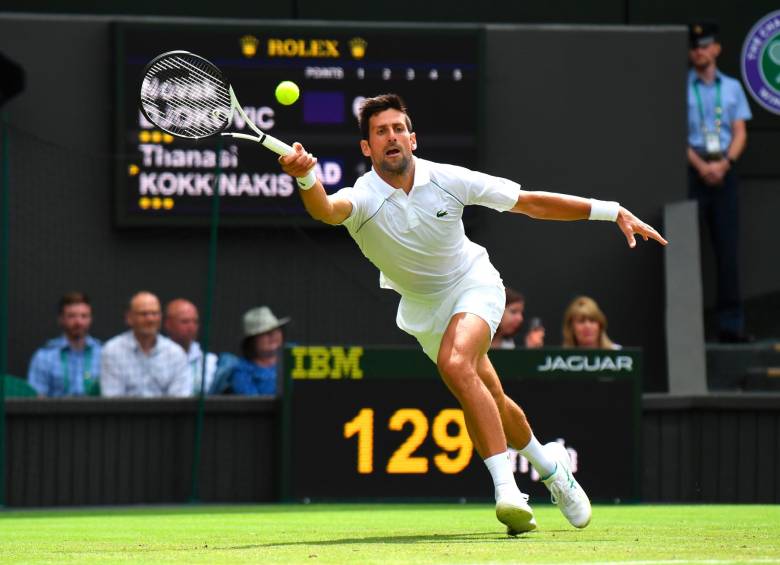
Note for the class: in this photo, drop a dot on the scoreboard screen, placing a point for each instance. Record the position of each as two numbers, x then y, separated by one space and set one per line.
161 180
378 423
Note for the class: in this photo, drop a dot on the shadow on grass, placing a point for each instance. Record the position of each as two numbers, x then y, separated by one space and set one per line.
401 540
549 536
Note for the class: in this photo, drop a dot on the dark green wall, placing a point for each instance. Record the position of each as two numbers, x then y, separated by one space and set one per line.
551 123
608 123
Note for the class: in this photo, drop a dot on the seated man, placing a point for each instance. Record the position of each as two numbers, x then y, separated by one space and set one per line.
256 372
181 325
68 365
141 362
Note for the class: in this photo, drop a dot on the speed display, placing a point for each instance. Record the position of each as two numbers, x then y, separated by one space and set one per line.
161 180
378 423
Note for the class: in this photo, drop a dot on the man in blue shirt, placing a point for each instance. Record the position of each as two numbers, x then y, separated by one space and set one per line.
68 365
717 111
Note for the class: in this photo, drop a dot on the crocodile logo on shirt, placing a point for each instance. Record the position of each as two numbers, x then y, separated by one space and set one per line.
441 213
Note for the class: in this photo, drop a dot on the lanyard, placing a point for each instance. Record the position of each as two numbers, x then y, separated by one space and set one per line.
64 362
718 107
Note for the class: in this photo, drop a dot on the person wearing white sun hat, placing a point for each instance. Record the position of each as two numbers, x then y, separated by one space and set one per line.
256 371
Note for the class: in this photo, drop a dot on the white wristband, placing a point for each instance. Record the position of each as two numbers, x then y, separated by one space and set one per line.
603 210
307 181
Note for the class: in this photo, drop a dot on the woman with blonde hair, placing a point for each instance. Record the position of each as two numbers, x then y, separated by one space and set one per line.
585 326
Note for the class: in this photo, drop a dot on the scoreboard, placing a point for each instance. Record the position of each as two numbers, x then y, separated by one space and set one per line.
378 423
165 181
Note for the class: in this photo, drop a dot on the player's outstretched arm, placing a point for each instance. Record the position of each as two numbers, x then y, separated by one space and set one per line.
554 206
320 206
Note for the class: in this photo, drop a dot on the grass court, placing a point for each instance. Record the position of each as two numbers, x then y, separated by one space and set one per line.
389 533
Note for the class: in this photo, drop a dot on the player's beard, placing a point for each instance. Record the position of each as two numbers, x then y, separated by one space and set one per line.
397 168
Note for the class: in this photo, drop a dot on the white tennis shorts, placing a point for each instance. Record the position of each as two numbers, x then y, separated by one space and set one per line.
427 319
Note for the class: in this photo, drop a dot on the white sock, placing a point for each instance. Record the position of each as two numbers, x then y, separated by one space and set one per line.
538 458
503 478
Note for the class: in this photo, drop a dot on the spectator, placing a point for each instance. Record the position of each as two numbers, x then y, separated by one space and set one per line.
585 326
512 321
68 365
717 111
141 362
182 324
256 371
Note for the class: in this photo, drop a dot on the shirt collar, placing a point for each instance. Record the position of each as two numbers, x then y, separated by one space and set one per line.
62 342
422 176
137 346
693 77
195 351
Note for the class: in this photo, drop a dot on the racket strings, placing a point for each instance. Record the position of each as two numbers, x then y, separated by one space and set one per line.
216 84
186 97
171 109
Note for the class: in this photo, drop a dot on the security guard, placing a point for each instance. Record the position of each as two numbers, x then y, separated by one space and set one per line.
717 111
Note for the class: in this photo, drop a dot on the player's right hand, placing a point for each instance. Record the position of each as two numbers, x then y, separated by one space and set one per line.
299 163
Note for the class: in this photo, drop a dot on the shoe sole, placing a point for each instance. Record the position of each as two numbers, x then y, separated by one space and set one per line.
518 520
585 525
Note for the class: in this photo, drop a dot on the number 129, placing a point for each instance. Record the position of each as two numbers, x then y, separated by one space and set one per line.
457 449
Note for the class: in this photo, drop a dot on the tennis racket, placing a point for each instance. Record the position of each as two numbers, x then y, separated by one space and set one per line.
187 96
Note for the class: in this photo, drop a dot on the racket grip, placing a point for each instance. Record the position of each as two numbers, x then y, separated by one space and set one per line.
278 147
281 148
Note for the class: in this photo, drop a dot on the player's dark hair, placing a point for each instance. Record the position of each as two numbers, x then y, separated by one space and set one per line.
512 296
371 106
74 297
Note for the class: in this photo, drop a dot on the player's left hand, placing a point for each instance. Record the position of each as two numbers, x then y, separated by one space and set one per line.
630 225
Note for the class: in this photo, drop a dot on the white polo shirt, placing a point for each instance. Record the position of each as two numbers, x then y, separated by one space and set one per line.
417 240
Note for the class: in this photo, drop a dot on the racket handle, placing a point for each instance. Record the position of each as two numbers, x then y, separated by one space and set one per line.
278 147
270 142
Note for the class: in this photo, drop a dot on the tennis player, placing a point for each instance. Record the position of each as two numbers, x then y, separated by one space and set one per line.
405 215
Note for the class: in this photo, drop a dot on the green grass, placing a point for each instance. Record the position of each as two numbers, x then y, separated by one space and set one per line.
388 533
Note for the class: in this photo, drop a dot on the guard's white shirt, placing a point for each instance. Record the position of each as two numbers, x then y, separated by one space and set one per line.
417 240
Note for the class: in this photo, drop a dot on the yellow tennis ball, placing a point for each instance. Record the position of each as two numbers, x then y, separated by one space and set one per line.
287 92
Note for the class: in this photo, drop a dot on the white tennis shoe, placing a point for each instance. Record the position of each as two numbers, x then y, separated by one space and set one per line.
564 489
515 512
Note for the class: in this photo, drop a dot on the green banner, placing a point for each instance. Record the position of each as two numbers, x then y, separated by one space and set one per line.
337 362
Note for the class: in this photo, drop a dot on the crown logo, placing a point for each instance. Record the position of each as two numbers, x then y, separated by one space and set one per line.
249 45
357 45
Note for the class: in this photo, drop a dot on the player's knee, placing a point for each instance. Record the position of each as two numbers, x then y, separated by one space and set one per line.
458 373
451 365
